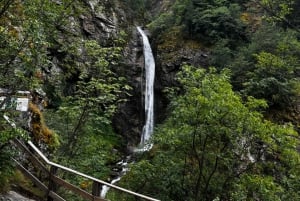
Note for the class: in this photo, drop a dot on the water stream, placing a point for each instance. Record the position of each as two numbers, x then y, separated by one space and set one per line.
149 65
124 168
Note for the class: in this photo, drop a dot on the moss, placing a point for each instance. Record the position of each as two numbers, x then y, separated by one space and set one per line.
86 184
25 186
174 39
40 130
4 184
172 43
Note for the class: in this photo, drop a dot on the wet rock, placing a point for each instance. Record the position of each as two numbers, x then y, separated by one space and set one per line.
13 196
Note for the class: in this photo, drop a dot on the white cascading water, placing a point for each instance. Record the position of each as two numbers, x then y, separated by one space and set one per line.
123 164
149 109
149 89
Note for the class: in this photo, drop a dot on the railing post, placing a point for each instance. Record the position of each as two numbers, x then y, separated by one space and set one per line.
96 189
52 185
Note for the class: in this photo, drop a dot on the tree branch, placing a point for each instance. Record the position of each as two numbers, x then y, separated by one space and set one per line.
5 7
273 13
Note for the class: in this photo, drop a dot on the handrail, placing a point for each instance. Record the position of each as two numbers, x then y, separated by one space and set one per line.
87 176
55 165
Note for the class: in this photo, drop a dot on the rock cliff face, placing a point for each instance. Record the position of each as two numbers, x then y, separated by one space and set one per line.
129 119
170 50
105 20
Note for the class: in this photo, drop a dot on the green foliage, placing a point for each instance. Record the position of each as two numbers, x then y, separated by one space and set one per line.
161 23
257 186
211 21
277 10
136 9
26 31
271 79
208 21
92 150
267 67
222 55
171 18
136 5
6 167
98 86
86 94
91 94
8 133
294 16
214 146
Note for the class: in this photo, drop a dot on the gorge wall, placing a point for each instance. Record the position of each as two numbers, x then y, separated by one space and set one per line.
104 21
129 120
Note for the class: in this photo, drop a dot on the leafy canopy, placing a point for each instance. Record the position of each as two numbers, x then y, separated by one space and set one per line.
26 30
215 146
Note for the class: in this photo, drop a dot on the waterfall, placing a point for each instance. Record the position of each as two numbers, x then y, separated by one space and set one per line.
149 64
123 164
149 109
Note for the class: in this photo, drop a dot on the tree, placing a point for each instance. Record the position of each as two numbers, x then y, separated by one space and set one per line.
294 17
268 67
27 30
215 146
207 21
7 133
278 11
96 91
212 20
90 93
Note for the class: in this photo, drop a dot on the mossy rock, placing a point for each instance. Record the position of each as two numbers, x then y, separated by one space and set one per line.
172 45
21 184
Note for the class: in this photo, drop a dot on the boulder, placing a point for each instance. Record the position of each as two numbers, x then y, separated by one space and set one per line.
13 196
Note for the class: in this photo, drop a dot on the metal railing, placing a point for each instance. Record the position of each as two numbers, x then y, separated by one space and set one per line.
54 181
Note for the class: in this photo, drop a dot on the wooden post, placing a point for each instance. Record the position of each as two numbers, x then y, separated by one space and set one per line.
96 189
52 185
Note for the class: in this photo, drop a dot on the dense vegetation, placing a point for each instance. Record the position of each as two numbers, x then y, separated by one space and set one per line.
42 51
231 131
214 146
217 143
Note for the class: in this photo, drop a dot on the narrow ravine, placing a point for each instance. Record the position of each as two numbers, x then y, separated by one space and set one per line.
145 144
